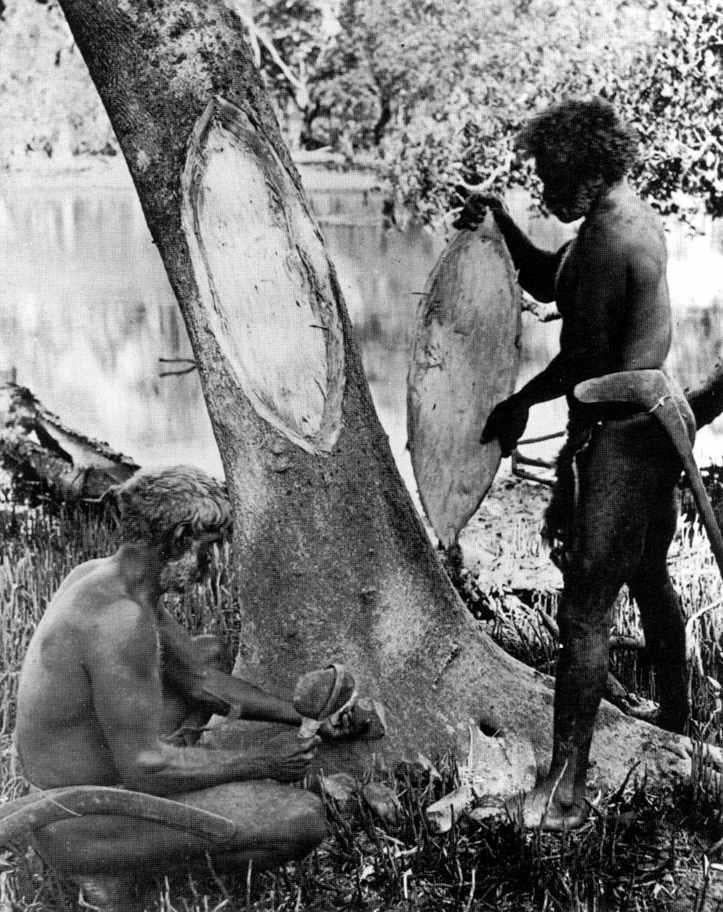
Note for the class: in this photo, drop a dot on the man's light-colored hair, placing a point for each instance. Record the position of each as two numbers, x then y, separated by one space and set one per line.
155 501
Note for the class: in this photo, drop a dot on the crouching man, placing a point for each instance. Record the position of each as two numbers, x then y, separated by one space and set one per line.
110 676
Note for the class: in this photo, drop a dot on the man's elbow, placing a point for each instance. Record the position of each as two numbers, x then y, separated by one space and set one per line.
541 290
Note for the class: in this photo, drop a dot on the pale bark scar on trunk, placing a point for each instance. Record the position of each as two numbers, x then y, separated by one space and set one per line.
264 278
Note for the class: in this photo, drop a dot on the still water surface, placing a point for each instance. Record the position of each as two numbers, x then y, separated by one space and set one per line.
86 312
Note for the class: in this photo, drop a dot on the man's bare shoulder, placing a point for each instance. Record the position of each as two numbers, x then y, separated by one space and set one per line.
99 624
98 564
91 591
628 229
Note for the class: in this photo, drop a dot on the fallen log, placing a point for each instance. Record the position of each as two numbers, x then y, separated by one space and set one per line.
46 459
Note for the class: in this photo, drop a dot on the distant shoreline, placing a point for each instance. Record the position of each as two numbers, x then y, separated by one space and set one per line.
111 172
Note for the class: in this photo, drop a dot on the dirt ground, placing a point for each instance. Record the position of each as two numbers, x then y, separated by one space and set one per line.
502 542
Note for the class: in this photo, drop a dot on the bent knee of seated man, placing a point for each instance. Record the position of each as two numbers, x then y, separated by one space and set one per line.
279 840
274 823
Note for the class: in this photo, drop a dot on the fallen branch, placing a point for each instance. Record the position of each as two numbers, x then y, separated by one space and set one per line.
45 456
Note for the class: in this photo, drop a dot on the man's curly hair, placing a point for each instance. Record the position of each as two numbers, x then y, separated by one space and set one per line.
586 138
155 501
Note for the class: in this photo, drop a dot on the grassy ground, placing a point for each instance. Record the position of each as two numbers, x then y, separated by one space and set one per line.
644 849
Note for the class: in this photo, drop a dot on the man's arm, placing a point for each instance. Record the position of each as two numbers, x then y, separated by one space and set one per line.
123 666
508 419
210 687
591 335
591 323
536 268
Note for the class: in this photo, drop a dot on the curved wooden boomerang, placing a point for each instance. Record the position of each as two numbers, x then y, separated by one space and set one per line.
18 818
654 391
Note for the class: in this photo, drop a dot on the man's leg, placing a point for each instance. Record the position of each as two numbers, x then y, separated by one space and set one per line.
662 616
559 800
614 488
104 855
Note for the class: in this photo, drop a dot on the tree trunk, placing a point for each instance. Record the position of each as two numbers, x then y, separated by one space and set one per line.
332 561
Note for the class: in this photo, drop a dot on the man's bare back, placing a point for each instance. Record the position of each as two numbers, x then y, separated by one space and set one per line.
611 288
58 735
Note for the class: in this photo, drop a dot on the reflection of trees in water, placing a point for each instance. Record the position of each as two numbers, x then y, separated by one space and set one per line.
86 311
85 314
382 274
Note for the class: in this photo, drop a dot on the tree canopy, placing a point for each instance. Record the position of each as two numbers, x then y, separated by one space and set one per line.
437 90
433 92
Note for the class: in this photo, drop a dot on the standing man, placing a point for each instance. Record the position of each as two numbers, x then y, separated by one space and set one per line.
613 512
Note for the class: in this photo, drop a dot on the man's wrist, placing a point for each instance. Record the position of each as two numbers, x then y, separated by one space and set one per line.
502 218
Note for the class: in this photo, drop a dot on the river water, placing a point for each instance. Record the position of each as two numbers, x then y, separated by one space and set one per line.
86 313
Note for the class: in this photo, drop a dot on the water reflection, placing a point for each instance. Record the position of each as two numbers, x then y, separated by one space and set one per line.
86 312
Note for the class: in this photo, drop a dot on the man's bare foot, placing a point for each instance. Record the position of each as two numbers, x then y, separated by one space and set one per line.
541 808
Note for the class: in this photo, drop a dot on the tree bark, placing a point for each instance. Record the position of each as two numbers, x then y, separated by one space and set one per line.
332 562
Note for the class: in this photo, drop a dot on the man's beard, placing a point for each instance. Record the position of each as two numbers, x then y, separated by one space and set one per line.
177 576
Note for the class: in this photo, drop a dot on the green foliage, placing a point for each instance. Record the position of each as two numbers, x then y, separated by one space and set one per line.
391 63
669 91
433 90
50 107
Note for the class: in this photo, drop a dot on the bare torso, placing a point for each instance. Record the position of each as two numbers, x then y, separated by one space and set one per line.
610 287
58 735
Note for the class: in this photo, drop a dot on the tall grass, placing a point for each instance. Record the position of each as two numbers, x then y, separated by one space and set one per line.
643 850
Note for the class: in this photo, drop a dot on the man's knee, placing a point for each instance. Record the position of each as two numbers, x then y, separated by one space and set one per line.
287 826
271 818
592 579
307 825
292 837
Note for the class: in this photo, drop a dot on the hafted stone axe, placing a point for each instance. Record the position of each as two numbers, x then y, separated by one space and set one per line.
661 397
326 694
